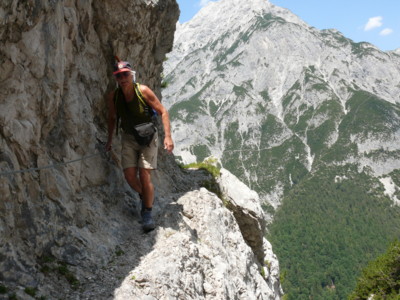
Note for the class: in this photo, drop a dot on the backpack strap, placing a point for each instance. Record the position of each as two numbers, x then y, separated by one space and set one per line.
147 108
138 92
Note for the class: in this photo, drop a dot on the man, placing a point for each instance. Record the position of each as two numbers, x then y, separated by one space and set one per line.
137 161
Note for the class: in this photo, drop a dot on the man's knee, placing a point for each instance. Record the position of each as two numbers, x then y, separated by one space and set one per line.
130 175
145 176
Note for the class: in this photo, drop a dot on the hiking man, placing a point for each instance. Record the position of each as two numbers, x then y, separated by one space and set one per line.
134 104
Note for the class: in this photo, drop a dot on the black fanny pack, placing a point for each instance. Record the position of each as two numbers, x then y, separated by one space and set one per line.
144 133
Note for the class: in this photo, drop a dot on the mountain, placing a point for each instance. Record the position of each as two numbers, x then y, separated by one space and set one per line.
68 220
307 118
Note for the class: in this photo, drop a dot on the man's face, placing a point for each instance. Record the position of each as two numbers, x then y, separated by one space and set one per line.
123 78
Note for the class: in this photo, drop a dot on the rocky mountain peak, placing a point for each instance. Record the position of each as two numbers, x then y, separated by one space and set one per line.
262 54
220 17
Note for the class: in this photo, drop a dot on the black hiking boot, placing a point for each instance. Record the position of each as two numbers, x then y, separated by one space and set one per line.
147 221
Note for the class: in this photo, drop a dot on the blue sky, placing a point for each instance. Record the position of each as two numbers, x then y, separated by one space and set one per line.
373 21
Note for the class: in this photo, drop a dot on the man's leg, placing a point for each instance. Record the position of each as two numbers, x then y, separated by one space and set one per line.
147 187
148 198
132 179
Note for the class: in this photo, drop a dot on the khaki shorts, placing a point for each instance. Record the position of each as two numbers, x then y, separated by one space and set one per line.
134 155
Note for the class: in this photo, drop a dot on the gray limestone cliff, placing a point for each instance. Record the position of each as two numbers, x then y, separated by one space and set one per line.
68 222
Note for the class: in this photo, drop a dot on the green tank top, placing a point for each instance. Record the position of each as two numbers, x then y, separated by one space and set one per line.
133 112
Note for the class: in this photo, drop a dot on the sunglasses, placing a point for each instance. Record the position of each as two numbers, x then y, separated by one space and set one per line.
122 74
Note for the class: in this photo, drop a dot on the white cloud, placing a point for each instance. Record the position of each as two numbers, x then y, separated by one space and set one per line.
386 31
373 23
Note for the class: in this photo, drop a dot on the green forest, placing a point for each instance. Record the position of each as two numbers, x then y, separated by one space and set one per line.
329 227
381 277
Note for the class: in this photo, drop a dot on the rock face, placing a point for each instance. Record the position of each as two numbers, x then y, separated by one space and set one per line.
67 217
55 68
245 205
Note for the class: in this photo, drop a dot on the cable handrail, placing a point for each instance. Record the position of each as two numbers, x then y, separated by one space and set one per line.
52 166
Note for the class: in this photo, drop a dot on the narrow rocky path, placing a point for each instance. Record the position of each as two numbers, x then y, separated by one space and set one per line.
105 280
101 285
